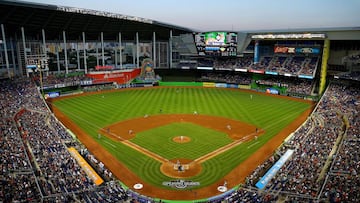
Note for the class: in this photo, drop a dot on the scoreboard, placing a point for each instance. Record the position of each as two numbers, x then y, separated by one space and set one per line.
37 62
216 44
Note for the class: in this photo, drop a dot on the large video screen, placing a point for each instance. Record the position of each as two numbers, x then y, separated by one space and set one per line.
216 43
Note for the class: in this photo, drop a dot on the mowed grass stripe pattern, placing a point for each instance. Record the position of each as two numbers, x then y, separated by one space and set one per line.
203 140
93 112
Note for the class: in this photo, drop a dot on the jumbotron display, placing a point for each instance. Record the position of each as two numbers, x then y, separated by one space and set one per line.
216 43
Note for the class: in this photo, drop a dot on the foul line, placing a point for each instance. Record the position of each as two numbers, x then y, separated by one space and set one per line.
145 151
225 148
198 160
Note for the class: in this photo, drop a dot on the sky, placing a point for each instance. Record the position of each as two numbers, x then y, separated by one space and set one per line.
231 15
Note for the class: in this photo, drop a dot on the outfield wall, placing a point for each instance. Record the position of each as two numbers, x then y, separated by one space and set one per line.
205 84
197 84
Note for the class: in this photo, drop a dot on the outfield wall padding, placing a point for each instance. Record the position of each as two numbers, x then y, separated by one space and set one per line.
199 84
204 84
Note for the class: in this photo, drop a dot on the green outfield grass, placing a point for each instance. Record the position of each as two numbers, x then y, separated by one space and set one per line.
93 112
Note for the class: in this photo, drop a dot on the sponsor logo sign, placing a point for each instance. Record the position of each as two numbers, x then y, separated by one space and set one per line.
304 50
279 49
208 84
257 71
220 84
272 91
308 50
181 184
291 49
85 166
52 95
271 73
273 170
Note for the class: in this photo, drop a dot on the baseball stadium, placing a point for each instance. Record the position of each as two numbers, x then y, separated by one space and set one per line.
105 107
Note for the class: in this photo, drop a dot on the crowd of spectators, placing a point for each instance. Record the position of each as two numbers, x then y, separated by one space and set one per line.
302 174
353 75
17 178
97 88
19 187
35 163
225 63
262 65
244 195
58 170
205 62
232 63
287 65
54 80
309 66
353 58
276 64
300 86
13 156
306 177
187 65
343 180
293 66
226 78
292 85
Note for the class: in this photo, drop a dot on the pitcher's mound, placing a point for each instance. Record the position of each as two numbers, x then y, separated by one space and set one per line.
180 168
181 139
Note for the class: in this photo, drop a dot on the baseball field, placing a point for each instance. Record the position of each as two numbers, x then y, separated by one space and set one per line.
206 136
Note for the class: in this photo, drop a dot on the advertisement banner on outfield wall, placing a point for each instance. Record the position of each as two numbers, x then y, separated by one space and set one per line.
208 84
247 87
272 91
52 95
85 166
86 82
231 86
223 85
